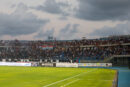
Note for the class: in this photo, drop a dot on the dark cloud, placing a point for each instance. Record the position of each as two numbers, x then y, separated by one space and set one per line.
51 6
104 10
63 18
120 29
90 9
68 32
44 34
20 22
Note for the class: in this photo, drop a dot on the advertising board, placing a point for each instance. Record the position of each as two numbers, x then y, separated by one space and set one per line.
94 64
14 64
66 65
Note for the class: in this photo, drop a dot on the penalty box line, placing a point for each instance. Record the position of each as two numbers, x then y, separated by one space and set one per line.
68 78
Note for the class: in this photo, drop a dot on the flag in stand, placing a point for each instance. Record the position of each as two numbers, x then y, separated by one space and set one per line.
46 47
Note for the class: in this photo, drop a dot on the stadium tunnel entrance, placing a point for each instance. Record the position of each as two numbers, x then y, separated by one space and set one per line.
121 61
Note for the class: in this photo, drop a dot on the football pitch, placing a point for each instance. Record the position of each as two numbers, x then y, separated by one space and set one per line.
55 77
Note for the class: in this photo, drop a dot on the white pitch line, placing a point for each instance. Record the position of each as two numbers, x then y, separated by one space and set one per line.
67 78
70 83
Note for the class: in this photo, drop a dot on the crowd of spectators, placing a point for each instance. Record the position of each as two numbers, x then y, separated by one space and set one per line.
85 49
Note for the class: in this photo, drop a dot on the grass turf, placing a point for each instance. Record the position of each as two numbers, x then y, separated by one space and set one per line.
55 77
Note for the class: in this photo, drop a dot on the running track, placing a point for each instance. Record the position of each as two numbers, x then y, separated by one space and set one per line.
123 77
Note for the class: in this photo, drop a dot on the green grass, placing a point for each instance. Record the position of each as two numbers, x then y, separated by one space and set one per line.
60 77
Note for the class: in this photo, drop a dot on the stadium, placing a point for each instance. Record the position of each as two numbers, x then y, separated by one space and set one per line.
64 43
65 63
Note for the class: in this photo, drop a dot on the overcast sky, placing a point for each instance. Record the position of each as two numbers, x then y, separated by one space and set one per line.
63 19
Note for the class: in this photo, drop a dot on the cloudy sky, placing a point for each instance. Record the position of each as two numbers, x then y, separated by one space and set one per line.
63 19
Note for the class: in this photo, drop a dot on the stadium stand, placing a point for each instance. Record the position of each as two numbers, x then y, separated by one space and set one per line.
115 49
